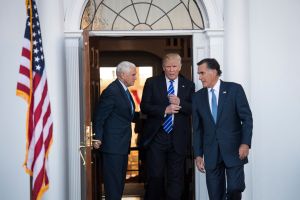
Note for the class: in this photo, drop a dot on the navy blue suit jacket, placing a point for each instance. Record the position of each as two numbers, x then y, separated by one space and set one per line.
112 119
154 102
233 127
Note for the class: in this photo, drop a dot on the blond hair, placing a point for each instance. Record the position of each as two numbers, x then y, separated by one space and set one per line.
170 56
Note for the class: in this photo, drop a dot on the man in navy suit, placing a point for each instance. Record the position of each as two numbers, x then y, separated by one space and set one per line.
112 125
167 102
222 129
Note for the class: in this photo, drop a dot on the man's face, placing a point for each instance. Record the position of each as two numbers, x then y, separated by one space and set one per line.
172 68
207 76
129 77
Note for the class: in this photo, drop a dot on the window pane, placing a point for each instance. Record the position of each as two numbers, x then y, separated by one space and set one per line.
142 15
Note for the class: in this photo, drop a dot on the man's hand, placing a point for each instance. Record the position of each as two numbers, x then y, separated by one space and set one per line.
200 164
243 151
96 144
172 109
173 99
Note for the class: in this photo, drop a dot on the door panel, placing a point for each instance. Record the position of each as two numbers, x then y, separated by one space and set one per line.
91 86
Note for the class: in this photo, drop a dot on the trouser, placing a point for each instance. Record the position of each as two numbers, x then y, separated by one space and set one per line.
216 182
114 174
161 158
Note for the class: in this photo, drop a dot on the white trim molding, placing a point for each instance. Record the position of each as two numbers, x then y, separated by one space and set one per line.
72 46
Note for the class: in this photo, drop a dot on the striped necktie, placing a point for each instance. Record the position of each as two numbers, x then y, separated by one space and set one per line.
168 121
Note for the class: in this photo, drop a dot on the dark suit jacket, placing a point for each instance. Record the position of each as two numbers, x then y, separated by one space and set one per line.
154 102
233 127
112 119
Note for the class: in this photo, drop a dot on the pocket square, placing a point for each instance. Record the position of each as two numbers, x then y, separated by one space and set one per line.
224 92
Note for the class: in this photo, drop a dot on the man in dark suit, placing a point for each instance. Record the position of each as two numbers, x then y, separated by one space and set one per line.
167 103
112 125
222 129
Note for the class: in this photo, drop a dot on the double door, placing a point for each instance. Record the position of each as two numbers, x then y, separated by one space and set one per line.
100 56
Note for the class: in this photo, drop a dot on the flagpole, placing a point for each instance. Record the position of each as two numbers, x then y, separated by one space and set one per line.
28 3
30 189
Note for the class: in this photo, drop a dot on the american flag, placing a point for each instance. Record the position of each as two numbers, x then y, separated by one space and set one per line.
32 86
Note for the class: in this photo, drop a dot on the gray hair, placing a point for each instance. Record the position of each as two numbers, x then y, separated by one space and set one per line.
124 66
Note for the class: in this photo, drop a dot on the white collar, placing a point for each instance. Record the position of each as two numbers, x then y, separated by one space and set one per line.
124 86
216 86
168 80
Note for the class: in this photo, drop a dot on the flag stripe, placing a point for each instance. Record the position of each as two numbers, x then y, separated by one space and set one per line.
26 53
23 88
47 121
38 156
24 72
38 110
25 61
37 184
49 137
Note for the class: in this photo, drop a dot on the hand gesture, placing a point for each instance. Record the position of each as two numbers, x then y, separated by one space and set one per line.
172 109
173 99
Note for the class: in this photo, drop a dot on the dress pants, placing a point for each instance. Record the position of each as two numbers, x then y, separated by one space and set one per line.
161 158
216 182
114 174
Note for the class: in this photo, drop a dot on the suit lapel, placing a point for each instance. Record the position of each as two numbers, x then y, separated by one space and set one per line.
163 87
222 98
181 87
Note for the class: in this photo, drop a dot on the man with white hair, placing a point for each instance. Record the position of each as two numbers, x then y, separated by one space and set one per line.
112 125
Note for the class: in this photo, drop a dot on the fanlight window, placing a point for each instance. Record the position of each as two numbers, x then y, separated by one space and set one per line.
140 15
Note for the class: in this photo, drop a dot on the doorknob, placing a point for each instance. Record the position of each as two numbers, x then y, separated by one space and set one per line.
89 135
88 139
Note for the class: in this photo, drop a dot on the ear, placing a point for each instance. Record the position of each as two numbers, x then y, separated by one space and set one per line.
122 74
214 71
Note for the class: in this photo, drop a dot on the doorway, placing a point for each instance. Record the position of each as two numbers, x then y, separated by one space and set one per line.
147 54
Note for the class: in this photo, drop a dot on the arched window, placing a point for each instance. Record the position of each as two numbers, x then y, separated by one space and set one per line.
141 15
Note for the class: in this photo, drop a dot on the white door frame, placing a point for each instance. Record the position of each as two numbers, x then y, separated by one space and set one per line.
206 43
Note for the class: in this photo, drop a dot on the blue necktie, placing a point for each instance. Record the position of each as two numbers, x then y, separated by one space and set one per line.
129 97
214 106
168 121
